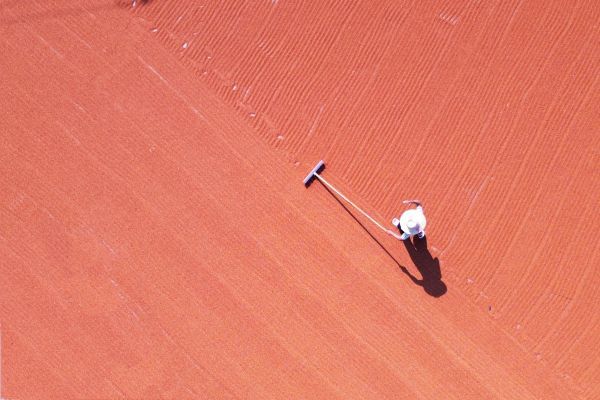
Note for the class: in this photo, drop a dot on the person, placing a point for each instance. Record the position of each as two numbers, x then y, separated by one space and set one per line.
412 222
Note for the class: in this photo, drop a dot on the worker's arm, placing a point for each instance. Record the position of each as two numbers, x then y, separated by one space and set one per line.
415 202
402 237
389 232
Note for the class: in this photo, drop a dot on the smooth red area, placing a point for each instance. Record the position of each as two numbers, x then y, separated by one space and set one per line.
156 239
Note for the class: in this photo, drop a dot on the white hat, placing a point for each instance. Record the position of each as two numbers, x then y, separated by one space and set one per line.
413 227
412 221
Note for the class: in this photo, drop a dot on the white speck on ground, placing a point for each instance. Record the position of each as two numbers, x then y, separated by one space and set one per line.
186 45
246 94
451 19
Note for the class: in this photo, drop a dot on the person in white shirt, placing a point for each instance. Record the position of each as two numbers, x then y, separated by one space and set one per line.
412 222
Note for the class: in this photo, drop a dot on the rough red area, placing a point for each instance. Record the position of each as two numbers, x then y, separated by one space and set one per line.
156 240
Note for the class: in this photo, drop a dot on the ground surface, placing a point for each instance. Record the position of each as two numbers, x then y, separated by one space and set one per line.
156 240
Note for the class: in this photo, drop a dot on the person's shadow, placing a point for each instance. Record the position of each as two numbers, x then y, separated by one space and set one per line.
428 267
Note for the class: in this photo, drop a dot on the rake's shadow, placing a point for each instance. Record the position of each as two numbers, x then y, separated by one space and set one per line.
419 254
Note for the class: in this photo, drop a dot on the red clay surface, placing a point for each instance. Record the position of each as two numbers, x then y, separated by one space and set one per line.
156 239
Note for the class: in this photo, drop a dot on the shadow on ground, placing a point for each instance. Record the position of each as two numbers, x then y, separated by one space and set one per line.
429 267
